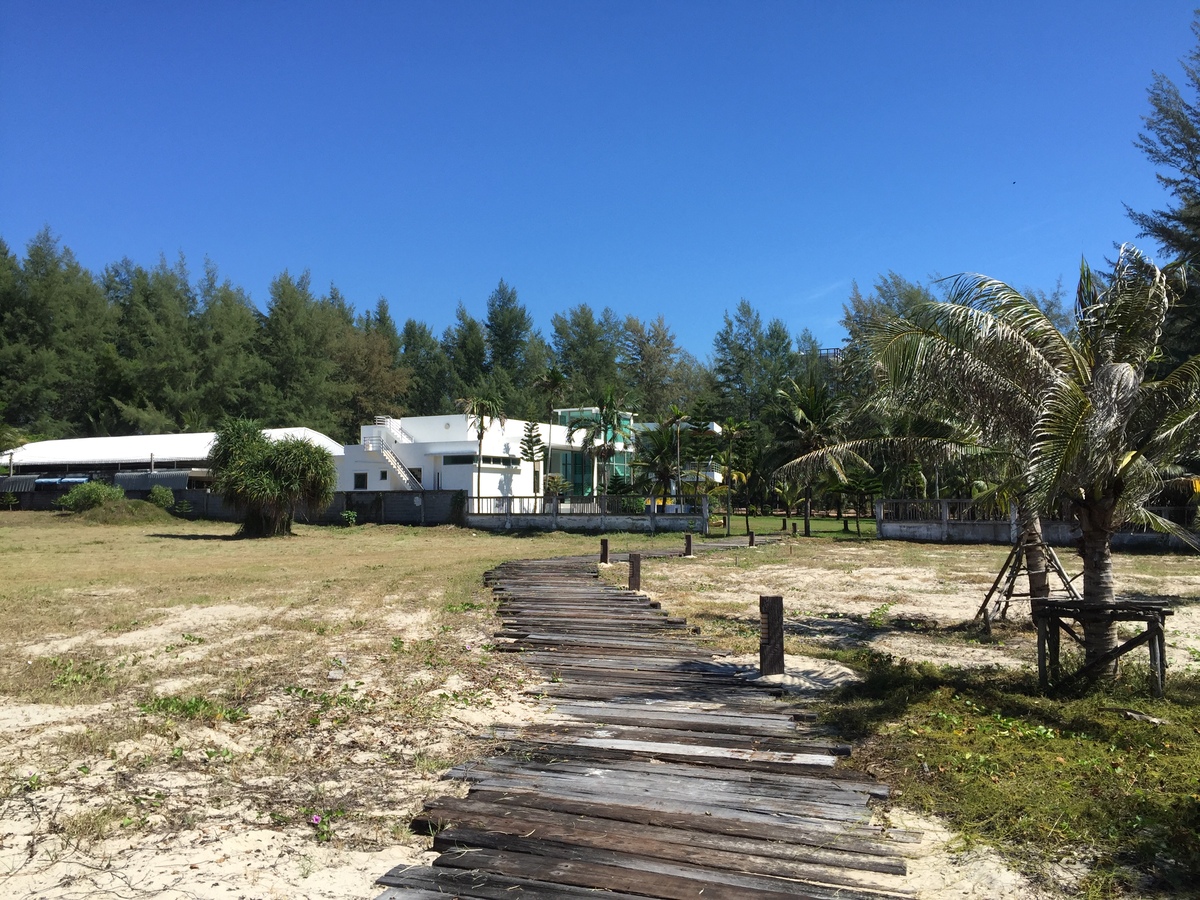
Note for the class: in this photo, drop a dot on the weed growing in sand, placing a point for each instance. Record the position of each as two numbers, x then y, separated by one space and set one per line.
321 822
69 673
200 708
877 618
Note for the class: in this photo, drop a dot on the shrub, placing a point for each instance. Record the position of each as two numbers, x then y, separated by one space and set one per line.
349 518
9 499
162 496
91 495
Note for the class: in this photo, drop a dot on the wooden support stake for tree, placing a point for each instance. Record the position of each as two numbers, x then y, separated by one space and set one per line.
751 538
635 571
770 645
687 544
603 551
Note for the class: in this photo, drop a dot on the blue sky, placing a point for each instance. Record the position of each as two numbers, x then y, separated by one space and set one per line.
655 157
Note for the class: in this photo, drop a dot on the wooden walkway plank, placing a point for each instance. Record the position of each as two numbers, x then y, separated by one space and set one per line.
661 772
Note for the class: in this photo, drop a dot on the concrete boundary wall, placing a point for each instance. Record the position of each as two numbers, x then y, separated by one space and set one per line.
591 523
949 530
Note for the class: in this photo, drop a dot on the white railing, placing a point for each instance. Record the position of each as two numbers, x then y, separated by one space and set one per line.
379 445
395 429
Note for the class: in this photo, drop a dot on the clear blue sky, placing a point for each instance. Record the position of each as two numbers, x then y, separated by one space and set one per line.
655 157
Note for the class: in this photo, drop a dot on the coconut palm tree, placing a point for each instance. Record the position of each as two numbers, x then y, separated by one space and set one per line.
810 417
1075 416
654 458
1107 432
481 410
790 491
731 429
676 418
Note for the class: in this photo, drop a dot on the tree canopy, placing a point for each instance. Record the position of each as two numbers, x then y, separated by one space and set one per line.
269 481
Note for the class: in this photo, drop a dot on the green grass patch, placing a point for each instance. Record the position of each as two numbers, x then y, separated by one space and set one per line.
126 512
1041 777
200 708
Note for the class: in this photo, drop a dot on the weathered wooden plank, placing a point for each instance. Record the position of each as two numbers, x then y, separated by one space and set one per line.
640 874
648 734
828 866
830 835
473 883
618 847
702 779
633 787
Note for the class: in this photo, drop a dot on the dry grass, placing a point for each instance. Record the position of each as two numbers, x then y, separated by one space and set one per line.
164 680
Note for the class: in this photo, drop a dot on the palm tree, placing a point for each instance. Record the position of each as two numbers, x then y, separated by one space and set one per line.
676 418
810 417
481 410
790 491
1106 432
1074 415
654 458
731 429
602 432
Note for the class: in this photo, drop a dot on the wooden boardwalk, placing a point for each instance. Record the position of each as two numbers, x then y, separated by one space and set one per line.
662 774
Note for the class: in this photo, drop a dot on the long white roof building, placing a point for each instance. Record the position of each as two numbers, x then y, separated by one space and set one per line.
142 449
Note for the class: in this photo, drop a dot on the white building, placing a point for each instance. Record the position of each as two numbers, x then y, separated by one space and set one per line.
109 457
439 453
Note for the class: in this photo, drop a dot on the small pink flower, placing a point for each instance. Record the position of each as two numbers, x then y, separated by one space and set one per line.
316 820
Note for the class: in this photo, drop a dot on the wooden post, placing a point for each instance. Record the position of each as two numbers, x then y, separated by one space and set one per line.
770 644
783 524
751 534
604 551
687 544
793 529
635 571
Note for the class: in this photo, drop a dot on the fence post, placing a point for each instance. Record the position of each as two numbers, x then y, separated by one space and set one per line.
751 534
635 571
770 644
793 529
687 544
604 551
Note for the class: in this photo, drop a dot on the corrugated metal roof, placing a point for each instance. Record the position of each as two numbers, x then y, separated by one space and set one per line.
141 447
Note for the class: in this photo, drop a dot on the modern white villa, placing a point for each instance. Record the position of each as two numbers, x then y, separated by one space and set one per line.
441 453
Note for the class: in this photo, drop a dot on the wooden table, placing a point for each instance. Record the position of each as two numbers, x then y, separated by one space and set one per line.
1051 617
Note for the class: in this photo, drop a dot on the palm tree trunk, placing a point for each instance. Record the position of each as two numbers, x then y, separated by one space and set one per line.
1099 633
807 510
1035 553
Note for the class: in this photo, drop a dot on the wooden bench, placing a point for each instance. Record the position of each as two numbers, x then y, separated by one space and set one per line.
1051 617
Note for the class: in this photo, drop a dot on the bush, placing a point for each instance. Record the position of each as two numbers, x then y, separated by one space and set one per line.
162 496
91 495
349 518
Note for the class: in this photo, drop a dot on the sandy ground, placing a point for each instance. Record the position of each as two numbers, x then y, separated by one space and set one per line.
188 810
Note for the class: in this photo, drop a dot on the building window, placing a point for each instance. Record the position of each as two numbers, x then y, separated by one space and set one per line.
383 474
468 460
416 473
360 481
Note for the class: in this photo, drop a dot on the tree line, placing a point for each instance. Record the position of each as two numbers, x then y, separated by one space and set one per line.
137 350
